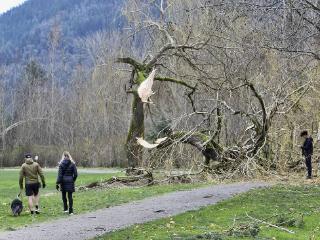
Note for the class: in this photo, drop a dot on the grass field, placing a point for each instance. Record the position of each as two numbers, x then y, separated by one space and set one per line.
84 201
296 208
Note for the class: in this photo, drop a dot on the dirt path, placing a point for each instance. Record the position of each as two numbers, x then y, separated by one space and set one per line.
90 225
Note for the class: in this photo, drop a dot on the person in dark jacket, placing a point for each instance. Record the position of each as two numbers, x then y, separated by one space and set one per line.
307 151
67 175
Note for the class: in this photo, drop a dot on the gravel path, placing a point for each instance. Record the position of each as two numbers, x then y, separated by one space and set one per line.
90 225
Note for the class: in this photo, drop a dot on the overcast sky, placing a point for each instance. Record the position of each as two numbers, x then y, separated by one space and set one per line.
5 5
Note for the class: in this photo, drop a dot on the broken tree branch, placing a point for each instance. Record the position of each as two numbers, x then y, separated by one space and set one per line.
270 224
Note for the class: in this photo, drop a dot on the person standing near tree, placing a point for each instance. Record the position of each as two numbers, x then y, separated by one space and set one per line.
307 151
67 175
30 171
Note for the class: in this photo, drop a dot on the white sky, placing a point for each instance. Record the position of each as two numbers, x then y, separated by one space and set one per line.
5 5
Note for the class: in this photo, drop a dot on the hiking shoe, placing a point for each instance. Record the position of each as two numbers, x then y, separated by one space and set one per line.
66 211
32 212
37 211
71 214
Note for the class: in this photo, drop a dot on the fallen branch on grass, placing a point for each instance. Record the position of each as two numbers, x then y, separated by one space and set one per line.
125 180
182 178
143 175
270 224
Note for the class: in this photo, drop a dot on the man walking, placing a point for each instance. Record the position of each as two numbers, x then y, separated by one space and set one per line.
30 171
307 151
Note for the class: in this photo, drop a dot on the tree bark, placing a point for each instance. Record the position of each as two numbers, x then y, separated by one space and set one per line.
133 149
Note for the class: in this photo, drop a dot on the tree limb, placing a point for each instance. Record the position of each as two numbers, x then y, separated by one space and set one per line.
169 46
282 49
312 6
210 150
131 62
308 20
168 79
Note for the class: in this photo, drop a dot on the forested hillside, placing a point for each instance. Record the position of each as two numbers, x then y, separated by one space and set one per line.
43 48
235 82
25 30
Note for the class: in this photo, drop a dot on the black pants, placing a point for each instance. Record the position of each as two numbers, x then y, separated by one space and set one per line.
32 189
308 165
65 203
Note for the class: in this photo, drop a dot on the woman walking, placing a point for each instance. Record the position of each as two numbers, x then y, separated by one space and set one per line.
67 176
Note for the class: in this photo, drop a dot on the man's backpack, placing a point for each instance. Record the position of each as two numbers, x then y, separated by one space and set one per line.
16 206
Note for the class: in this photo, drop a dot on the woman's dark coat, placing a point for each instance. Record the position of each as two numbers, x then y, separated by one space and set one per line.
67 175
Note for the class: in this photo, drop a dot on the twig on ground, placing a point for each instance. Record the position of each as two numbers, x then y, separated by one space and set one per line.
270 224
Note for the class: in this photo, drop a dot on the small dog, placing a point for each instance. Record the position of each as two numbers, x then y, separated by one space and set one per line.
16 206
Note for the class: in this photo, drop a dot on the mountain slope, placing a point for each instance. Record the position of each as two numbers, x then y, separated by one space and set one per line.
25 30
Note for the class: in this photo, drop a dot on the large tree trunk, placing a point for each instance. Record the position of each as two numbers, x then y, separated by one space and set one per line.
133 149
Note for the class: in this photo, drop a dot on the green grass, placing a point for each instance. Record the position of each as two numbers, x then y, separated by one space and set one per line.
51 204
9 185
272 205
